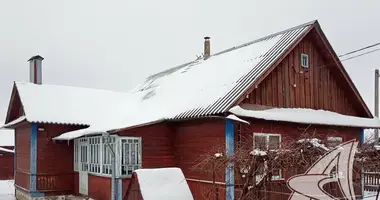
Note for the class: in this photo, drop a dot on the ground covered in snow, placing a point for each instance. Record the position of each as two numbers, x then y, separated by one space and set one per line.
7 190
369 195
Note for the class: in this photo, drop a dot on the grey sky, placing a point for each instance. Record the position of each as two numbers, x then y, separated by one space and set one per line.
115 44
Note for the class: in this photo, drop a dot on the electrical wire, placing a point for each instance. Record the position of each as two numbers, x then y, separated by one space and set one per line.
361 49
362 54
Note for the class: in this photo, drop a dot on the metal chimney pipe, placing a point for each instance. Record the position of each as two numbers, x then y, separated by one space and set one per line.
35 69
207 48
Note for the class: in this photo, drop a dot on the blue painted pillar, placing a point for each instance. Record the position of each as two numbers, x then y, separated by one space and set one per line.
33 158
119 195
230 143
362 136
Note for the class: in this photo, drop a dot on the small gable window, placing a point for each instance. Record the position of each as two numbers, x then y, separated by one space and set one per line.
304 60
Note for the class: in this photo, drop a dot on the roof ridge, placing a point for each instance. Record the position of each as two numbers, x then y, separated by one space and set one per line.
158 74
69 86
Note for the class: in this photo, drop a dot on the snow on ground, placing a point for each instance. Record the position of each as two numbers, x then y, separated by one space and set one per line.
7 190
369 195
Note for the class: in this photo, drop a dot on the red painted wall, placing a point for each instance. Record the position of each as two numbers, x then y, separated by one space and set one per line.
194 139
157 146
6 165
99 187
22 144
55 162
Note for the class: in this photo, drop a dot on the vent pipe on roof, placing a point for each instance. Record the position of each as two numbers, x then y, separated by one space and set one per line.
207 48
35 69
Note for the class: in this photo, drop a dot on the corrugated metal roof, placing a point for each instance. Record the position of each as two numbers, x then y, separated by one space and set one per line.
263 53
195 89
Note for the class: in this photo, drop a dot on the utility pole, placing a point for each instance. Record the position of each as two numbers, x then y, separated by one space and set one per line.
376 136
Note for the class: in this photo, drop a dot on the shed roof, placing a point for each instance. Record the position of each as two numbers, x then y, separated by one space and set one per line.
162 183
199 88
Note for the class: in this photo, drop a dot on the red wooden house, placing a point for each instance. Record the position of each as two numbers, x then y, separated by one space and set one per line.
6 162
178 114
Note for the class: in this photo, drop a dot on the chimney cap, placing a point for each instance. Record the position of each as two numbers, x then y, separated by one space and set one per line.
36 57
207 38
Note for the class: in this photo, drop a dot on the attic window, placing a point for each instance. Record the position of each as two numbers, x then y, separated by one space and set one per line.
304 60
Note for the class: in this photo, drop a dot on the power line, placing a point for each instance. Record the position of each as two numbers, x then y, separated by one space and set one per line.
361 49
362 54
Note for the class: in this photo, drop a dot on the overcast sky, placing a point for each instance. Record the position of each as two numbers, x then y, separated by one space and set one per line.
115 44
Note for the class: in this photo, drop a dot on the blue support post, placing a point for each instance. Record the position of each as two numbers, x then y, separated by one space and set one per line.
33 162
362 136
119 189
230 143
33 157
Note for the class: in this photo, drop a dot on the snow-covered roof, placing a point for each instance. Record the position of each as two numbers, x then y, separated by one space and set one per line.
6 150
186 91
163 183
306 116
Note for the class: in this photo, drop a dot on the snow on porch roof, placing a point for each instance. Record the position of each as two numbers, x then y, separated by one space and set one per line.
163 183
305 116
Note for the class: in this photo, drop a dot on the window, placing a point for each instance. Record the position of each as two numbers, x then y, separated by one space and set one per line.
264 142
304 60
334 141
93 154
130 155
94 163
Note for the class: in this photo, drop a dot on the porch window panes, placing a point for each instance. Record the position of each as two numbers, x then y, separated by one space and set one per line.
93 154
107 155
76 155
130 155
94 165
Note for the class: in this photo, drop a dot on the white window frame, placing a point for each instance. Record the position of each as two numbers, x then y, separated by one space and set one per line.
76 156
99 155
306 57
266 135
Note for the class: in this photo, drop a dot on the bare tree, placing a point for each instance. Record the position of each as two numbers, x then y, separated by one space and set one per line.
257 165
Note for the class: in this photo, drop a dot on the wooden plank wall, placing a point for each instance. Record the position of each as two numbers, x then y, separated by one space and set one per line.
22 144
193 140
319 87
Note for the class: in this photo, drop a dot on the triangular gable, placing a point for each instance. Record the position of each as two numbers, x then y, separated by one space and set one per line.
315 27
15 107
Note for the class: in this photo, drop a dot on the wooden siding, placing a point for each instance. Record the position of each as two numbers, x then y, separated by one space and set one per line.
55 168
157 146
321 86
6 165
99 187
195 138
22 144
201 190
134 192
